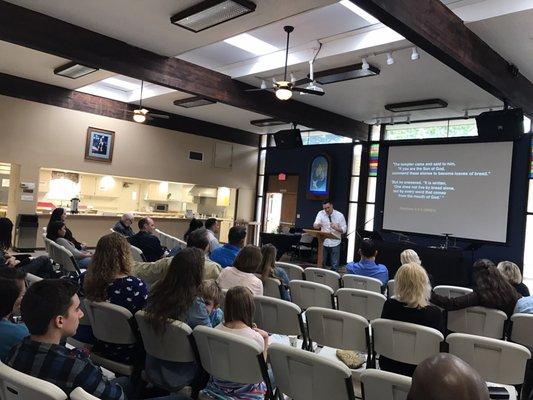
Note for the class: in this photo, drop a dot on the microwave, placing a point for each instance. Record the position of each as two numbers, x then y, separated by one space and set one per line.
161 207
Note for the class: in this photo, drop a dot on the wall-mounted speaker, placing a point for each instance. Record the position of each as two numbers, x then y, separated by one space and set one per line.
288 139
500 125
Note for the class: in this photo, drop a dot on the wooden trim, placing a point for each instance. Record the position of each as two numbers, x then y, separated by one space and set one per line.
88 156
50 35
26 89
433 27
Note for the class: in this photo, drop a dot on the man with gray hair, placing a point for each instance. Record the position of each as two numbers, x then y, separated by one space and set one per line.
124 225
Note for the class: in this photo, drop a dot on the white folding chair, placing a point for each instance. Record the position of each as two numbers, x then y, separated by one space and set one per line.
384 385
31 279
496 360
271 287
323 276
137 254
391 285
15 385
173 345
85 321
308 294
303 375
361 302
338 330
111 323
231 357
522 329
80 394
451 291
64 257
293 271
479 321
352 281
405 342
280 317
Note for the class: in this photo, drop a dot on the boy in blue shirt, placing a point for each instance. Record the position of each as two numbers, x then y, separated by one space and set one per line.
367 265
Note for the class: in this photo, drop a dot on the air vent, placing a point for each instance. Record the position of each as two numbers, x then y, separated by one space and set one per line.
196 156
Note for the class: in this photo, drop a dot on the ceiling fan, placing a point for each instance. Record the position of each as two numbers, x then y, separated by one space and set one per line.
142 114
284 88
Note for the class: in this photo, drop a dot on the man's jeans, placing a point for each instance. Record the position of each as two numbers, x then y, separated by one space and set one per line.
332 256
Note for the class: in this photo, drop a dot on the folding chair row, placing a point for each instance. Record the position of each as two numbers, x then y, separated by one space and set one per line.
334 280
62 256
169 241
137 254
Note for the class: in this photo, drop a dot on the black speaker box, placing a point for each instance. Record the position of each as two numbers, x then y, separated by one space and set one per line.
500 125
288 139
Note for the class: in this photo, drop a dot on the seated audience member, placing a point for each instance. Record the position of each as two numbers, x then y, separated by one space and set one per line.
51 311
193 225
213 227
109 278
11 332
511 273
60 215
211 293
151 271
124 225
410 305
445 376
199 239
409 256
40 266
177 296
226 254
490 290
147 241
367 265
56 232
238 320
243 271
268 269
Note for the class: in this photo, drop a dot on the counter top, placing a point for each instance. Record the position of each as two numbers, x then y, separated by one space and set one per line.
155 216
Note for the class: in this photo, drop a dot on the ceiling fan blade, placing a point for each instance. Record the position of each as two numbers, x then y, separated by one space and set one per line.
308 91
302 81
162 116
255 89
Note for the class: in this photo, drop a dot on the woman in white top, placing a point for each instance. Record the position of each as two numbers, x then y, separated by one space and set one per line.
56 231
242 272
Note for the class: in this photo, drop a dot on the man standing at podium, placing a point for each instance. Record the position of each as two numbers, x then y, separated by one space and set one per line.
332 221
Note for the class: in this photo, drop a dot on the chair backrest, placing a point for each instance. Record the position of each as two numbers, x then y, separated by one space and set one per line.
64 257
80 394
303 375
496 360
31 279
173 344
361 302
278 316
293 271
306 238
110 322
451 291
391 285
47 244
137 254
405 342
522 329
361 282
323 276
228 356
479 321
383 385
338 329
15 385
308 294
271 287
113 231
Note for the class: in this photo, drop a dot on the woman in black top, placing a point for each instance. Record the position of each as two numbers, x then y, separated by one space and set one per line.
411 305
193 225
491 290
512 274
59 214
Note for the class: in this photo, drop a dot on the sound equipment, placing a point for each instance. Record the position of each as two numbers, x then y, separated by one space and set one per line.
500 125
288 139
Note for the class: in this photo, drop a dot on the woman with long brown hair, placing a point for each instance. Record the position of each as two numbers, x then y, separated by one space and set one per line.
243 271
268 269
109 278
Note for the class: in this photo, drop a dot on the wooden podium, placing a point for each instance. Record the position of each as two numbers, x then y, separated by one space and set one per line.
321 236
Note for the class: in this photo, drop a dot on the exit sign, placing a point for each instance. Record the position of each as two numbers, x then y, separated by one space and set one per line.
282 177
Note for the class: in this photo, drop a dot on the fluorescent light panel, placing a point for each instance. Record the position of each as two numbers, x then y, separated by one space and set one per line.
251 44
74 70
210 13
428 104
360 12
193 102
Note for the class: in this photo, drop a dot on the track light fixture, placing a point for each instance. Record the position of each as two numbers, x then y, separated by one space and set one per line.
414 54
390 60
364 64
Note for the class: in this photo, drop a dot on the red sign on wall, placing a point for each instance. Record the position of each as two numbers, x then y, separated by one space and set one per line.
282 177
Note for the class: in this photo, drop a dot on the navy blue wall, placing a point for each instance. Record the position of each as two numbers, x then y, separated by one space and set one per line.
297 161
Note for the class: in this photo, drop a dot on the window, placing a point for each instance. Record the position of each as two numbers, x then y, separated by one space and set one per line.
317 137
528 249
260 189
354 197
431 130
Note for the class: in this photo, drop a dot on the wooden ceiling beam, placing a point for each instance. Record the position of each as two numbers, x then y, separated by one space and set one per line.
50 35
433 27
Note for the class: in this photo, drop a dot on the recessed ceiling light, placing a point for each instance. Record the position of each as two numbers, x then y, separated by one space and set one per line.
74 70
360 12
193 102
209 13
251 44
428 104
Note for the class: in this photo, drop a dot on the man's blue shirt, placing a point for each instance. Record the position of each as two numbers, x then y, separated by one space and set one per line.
369 268
225 255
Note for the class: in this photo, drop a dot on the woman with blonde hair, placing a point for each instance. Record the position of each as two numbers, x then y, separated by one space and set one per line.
512 274
411 304
109 278
409 256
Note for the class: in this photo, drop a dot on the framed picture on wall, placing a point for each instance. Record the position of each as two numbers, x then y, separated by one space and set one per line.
319 182
99 145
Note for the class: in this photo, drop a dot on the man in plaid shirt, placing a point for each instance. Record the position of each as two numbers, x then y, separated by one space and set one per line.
51 311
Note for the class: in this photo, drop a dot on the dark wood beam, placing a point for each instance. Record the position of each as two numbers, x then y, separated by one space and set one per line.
50 35
27 89
433 27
